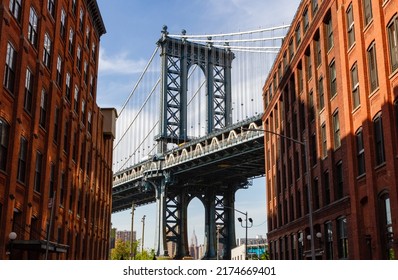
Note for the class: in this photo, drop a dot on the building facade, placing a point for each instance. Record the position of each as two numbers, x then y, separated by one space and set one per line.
334 85
56 143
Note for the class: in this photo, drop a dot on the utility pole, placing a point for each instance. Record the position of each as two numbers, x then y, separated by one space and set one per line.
132 253
142 237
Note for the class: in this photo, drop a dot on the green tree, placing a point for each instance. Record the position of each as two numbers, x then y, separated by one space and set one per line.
121 250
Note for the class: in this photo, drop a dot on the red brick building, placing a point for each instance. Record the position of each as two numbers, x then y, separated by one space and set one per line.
55 142
334 84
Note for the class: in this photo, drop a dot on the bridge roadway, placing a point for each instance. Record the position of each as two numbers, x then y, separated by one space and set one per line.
227 157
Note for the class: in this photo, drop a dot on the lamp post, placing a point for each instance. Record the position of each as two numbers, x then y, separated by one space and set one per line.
142 237
303 143
246 227
12 236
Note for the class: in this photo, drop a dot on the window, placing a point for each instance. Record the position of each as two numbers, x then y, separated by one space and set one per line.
318 50
15 9
81 18
83 111
342 238
321 94
300 77
62 188
76 98
367 8
59 71
43 109
88 37
38 171
326 187
298 35
379 140
85 72
329 32
92 86
51 7
350 26
360 152
336 130
329 240
324 141
386 229
52 181
47 51
9 71
89 120
332 77
314 4
75 143
291 50
306 22
66 137
23 147
339 187
316 194
79 58
311 106
71 35
93 51
355 86
56 126
28 91
4 138
63 23
32 29
68 89
308 64
74 7
393 43
372 67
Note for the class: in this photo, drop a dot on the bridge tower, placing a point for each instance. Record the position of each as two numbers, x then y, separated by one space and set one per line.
177 56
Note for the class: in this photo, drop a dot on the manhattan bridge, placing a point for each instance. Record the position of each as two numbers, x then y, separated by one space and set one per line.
184 132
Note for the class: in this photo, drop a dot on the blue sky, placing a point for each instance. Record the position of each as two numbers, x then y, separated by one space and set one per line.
133 28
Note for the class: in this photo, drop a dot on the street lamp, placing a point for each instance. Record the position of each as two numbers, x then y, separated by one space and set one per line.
12 236
246 227
303 143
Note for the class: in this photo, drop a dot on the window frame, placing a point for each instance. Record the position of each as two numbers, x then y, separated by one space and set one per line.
360 152
392 30
32 27
4 142
336 130
372 67
380 156
356 99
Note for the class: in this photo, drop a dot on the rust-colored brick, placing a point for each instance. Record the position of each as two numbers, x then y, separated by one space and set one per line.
53 142
334 84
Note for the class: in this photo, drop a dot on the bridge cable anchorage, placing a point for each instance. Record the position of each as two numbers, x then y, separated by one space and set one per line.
139 80
230 34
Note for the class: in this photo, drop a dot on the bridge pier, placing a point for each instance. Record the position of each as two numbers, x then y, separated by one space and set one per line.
172 210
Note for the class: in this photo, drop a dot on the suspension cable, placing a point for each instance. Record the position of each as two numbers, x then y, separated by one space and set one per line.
139 80
139 111
230 34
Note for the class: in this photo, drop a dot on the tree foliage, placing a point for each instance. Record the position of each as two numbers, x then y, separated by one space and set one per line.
122 252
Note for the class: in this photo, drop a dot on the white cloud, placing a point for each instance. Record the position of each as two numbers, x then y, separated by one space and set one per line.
119 63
